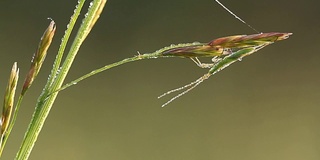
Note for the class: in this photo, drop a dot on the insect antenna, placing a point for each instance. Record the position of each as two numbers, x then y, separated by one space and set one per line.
189 87
224 7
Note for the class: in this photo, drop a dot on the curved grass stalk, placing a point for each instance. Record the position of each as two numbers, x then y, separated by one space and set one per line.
156 54
216 48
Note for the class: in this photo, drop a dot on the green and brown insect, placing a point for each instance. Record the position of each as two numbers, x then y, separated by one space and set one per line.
225 51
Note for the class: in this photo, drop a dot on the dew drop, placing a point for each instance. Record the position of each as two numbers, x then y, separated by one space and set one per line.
195 43
91 3
58 71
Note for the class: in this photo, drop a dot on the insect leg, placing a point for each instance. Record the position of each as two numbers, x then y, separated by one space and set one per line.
189 87
203 65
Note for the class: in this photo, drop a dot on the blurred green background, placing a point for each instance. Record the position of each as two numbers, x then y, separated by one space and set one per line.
265 107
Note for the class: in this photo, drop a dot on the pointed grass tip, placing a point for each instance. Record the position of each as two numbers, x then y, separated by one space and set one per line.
40 55
241 41
9 100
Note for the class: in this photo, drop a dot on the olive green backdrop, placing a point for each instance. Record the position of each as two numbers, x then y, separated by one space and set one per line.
264 107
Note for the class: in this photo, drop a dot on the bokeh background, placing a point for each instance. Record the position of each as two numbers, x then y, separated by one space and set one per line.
265 107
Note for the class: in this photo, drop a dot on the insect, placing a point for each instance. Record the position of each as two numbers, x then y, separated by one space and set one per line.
224 52
225 46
